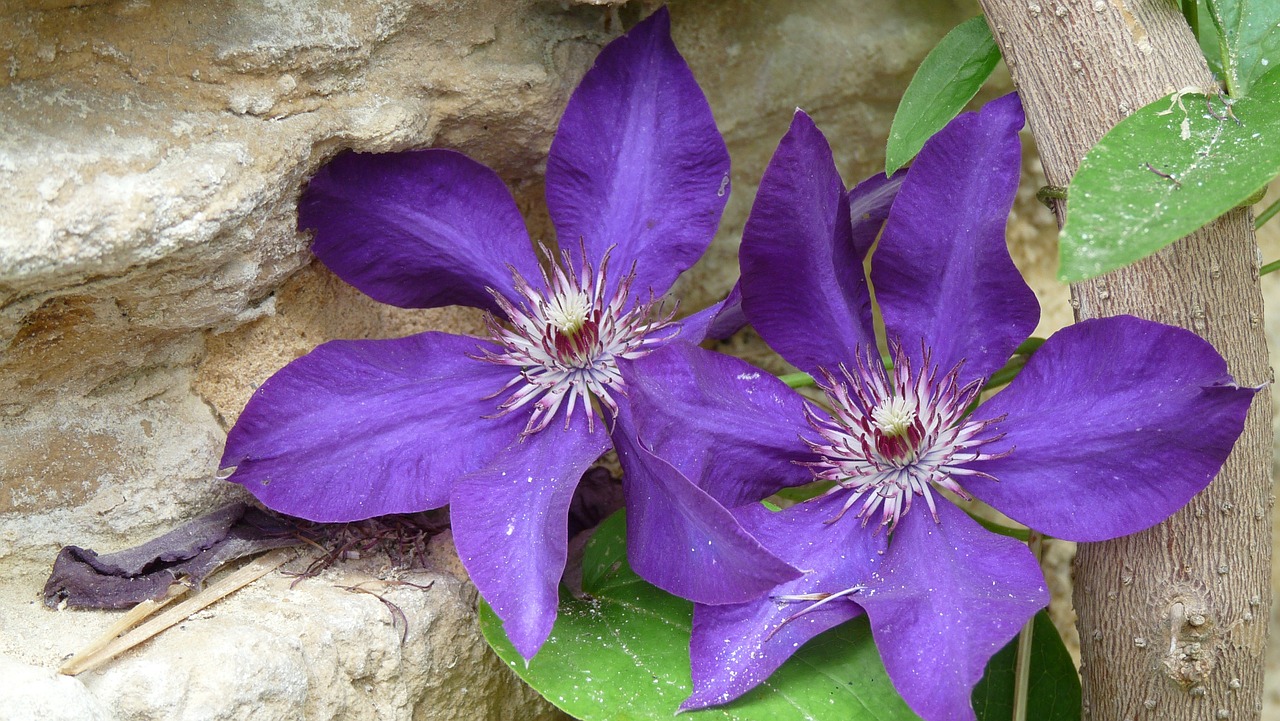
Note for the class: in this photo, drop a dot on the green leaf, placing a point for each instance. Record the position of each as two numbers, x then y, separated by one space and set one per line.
1053 693
1248 40
799 494
1208 34
623 653
947 80
1022 534
1165 171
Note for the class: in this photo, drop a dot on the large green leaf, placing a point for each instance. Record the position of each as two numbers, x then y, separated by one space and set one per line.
1248 40
621 653
1165 171
1053 689
951 74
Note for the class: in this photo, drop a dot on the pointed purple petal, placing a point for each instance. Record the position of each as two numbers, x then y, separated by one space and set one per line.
946 597
803 287
637 162
731 428
510 524
681 540
718 321
734 648
1115 424
942 271
356 429
418 229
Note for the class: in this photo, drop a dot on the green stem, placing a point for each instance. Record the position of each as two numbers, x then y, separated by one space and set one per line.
1029 346
1271 267
1022 664
797 380
1015 364
1266 215
1022 534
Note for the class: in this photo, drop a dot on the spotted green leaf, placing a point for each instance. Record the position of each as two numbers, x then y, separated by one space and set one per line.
621 652
1248 41
951 74
1165 171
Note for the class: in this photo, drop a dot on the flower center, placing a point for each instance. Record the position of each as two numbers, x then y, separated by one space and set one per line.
893 436
568 312
566 341
894 417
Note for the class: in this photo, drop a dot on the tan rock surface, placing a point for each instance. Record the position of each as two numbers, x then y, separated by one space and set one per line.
280 649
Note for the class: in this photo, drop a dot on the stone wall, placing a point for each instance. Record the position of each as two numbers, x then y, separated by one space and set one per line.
151 276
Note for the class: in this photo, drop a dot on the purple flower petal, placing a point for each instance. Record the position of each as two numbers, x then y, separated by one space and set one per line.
803 287
510 525
418 229
681 540
718 321
942 271
637 162
356 429
1114 424
731 428
734 648
945 598
869 204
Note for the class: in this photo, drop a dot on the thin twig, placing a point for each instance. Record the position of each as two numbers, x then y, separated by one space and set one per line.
1166 176
1022 664
1266 215
108 647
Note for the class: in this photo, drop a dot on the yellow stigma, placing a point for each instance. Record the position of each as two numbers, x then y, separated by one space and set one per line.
893 417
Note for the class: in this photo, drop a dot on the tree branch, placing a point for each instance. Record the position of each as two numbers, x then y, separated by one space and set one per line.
1173 620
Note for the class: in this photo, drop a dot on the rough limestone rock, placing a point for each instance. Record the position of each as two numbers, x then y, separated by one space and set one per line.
39 694
359 641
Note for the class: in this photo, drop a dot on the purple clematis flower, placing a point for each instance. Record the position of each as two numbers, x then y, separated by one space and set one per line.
503 428
1112 425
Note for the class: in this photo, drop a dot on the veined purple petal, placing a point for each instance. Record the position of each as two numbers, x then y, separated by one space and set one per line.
803 287
637 163
680 539
717 321
945 598
942 271
356 429
731 428
1114 424
418 229
510 525
734 648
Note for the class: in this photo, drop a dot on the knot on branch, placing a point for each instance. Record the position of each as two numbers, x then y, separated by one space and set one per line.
1191 654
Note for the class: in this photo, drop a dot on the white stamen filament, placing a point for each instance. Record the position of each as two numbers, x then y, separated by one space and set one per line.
819 599
892 438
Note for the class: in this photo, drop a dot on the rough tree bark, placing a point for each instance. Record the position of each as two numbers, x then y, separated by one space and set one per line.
1173 620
